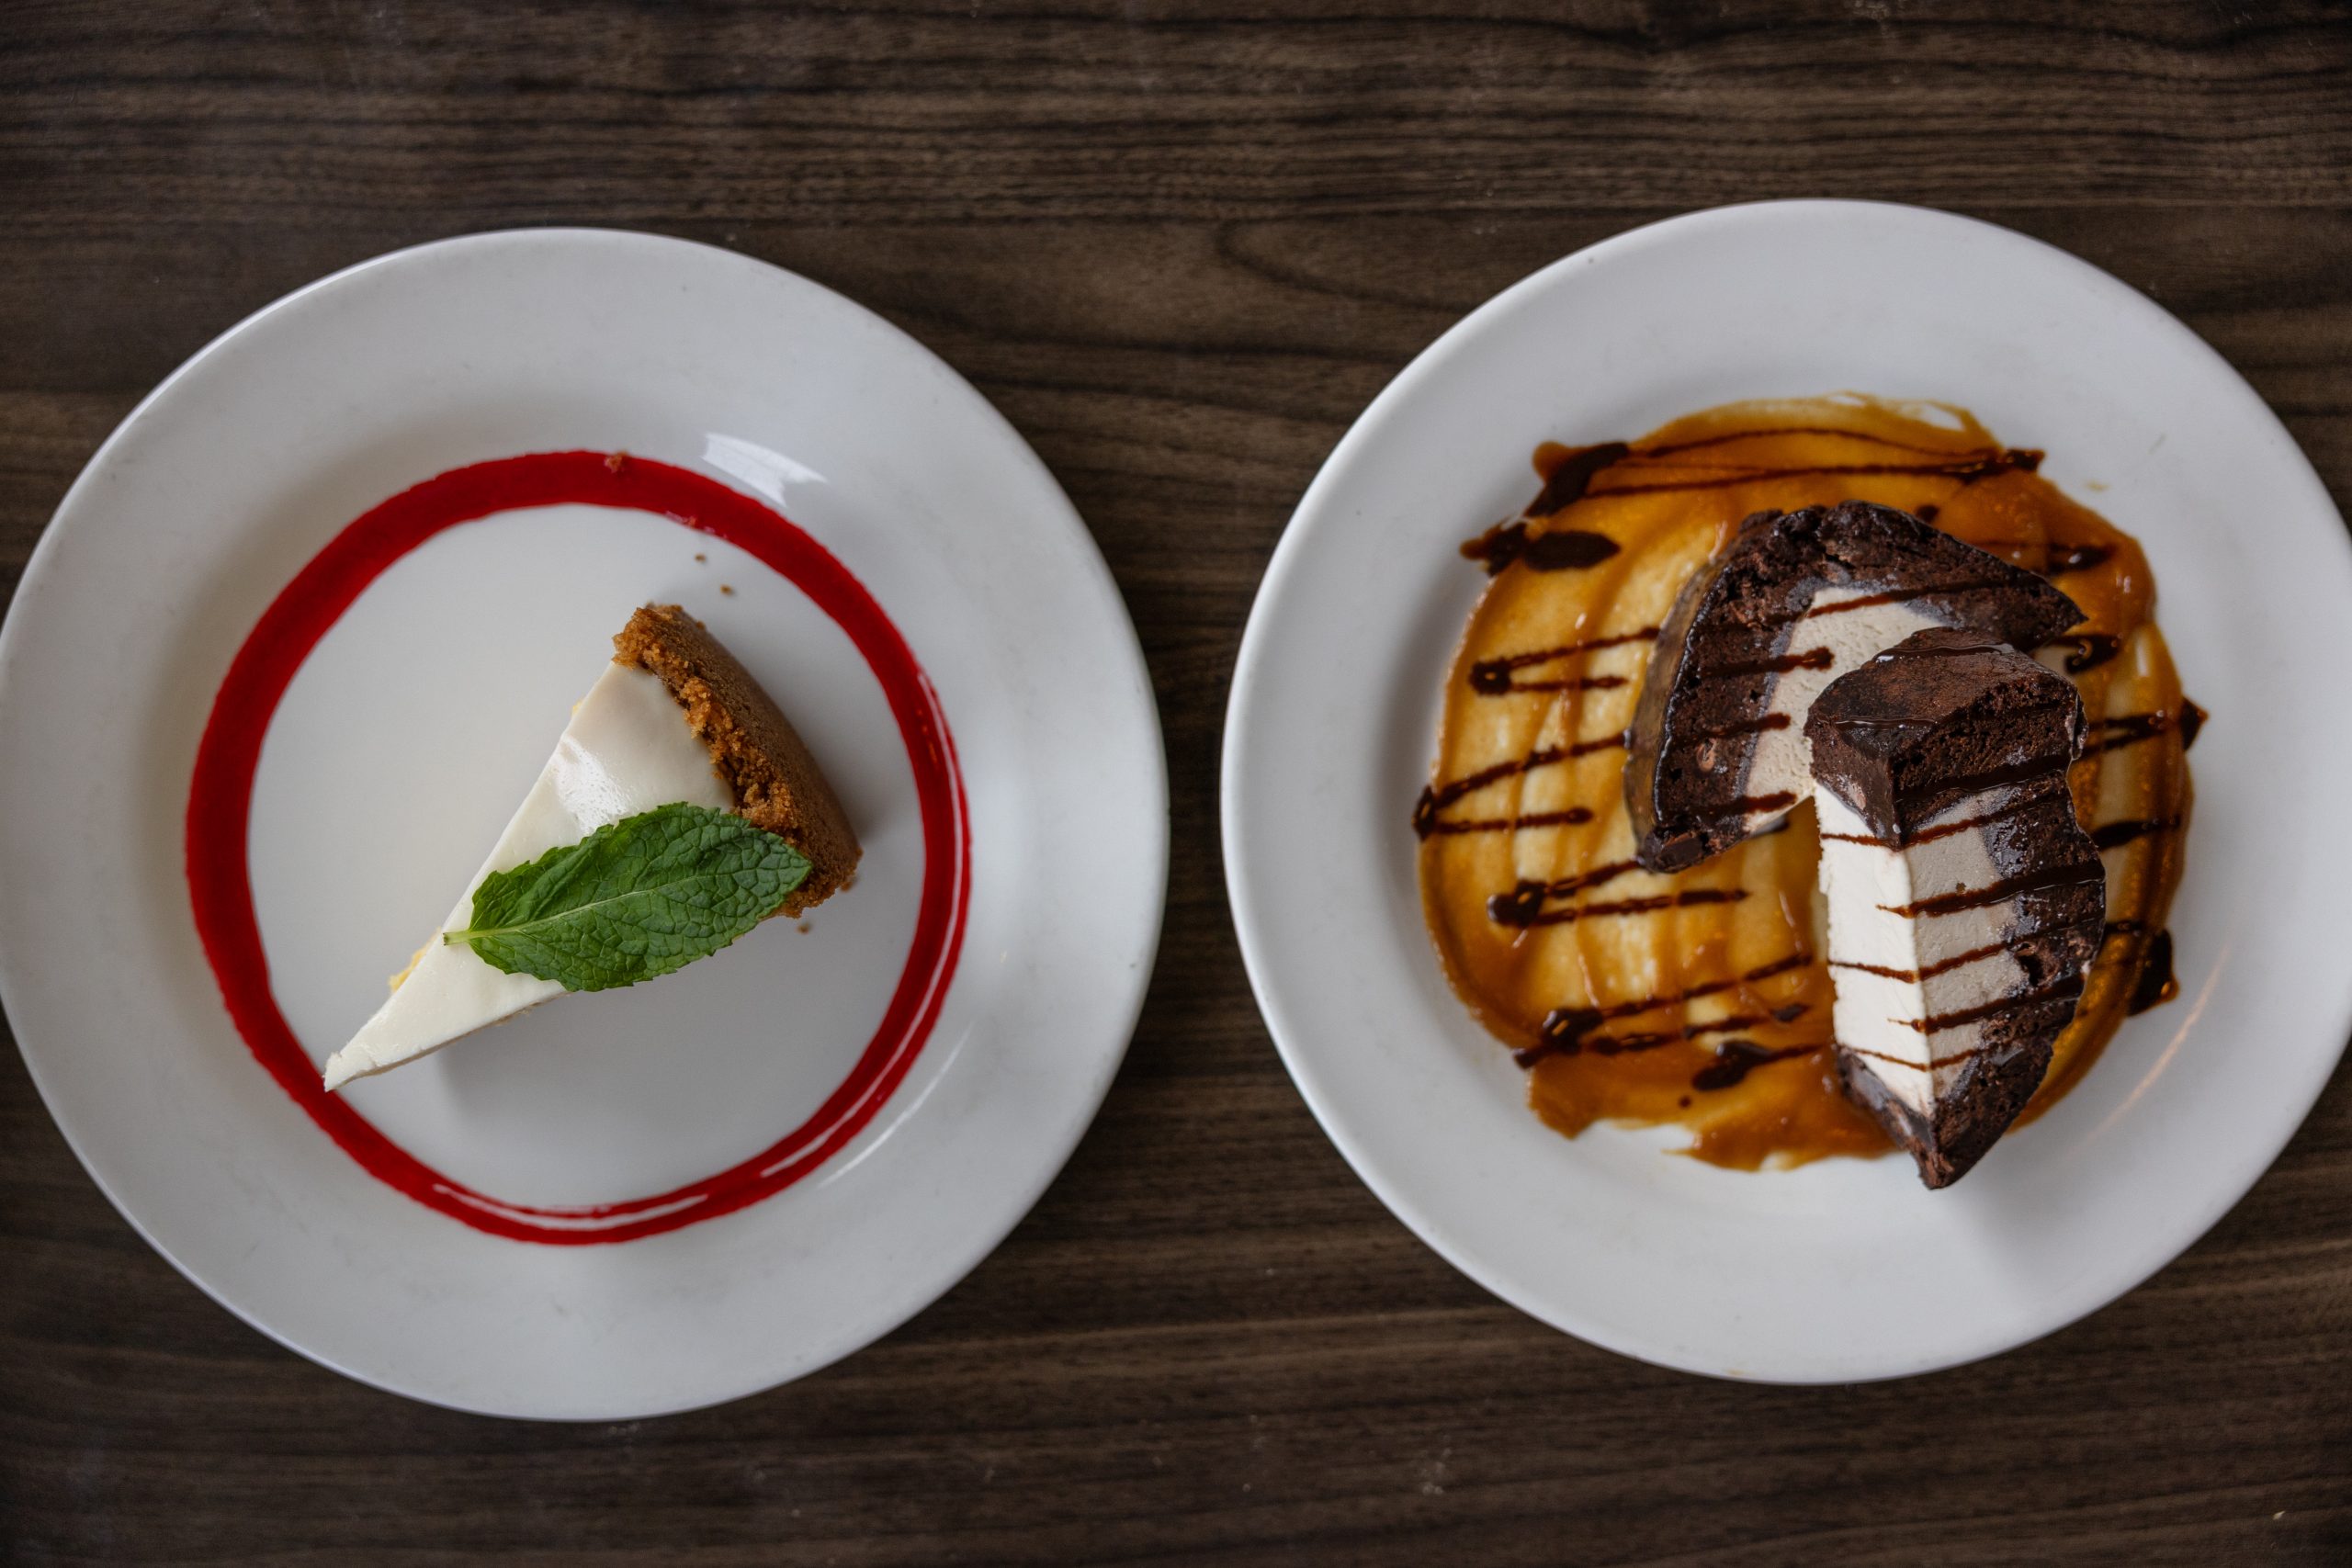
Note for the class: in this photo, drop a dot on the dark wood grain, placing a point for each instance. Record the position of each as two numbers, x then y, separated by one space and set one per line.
1181 245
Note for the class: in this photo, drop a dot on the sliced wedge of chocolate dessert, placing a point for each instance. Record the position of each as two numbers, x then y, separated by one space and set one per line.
1718 748
673 727
1964 898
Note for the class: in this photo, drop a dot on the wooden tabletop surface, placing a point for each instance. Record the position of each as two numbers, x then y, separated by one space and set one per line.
1181 245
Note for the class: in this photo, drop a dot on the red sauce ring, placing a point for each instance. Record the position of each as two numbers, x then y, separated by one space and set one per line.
221 799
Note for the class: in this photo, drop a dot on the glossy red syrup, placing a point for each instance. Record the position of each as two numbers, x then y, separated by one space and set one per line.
221 798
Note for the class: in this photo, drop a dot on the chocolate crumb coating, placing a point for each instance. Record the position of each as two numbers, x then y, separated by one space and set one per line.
1707 697
1949 732
1970 1117
776 781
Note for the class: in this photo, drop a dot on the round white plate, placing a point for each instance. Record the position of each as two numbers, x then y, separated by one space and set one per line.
1842 1269
526 1224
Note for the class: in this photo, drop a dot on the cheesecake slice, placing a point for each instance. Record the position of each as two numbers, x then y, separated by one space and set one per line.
1718 751
674 718
1964 900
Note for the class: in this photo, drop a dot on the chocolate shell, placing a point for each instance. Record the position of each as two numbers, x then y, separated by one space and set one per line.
1796 599
1940 771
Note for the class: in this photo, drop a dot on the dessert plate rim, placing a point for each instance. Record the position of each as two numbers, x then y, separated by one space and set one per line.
1326 1041
895 384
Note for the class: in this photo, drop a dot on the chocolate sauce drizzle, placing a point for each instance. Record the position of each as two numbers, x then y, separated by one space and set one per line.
1887 596
1756 726
1649 906
1573 471
1435 826
1436 797
2064 990
1932 1063
1558 549
2091 650
1626 1044
1914 975
1568 1030
2115 835
1562 684
2156 984
1563 550
2064 558
1570 475
2130 728
1524 902
2034 881
1779 664
1734 1059
1779 800
2016 805
1966 468
1490 676
1674 448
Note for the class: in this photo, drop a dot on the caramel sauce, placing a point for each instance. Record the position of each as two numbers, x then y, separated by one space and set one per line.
1701 998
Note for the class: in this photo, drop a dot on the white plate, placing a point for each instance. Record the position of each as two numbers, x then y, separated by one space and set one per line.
1843 1269
528 1223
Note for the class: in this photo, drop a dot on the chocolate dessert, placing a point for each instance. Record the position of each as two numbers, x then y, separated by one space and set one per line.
1718 747
1964 898
1702 999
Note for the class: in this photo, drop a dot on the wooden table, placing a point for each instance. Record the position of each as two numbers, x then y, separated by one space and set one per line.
1181 247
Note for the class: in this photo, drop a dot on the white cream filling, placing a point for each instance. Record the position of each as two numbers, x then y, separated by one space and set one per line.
1865 885
1781 763
628 749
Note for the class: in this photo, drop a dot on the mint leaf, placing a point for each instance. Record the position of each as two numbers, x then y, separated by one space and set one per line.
636 899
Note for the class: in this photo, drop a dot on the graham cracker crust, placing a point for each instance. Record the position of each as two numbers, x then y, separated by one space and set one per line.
776 781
